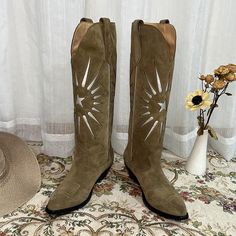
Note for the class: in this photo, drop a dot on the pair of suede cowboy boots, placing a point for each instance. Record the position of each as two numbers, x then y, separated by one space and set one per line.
93 60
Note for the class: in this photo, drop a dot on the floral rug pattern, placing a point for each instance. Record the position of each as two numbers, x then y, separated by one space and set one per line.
116 207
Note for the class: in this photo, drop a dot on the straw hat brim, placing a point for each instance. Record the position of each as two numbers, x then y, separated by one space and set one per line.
23 179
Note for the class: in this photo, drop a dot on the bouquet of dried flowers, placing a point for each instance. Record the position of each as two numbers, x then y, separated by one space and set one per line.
215 84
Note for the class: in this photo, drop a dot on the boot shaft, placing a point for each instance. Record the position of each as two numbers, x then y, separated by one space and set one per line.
93 61
152 64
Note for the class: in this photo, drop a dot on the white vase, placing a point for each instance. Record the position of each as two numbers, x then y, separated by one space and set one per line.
197 161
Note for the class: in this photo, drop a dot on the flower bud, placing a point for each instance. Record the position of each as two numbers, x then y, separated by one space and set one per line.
222 70
230 77
232 68
209 79
202 77
219 84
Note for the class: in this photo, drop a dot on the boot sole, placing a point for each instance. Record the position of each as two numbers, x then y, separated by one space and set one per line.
68 210
165 215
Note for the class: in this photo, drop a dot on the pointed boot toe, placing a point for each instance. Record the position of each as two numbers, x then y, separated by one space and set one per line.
172 207
55 205
61 204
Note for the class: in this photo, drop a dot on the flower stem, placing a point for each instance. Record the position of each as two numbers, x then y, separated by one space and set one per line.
212 109
214 104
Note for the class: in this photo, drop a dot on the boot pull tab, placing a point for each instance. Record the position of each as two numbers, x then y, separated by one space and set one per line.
84 19
136 46
164 21
169 34
78 34
107 37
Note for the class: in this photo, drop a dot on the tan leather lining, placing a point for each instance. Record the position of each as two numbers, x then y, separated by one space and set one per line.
168 33
78 35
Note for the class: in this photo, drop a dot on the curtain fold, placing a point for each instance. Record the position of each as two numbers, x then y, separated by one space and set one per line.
36 100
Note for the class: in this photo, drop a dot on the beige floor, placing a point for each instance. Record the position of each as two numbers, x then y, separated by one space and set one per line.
116 206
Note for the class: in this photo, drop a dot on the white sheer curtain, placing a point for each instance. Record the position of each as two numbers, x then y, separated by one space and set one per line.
35 75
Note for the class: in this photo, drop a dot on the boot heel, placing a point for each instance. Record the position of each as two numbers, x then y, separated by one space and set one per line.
132 176
103 176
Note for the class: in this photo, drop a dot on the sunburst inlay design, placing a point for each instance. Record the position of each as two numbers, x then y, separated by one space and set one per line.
88 99
154 100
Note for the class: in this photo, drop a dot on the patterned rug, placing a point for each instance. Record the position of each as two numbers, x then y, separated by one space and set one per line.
116 207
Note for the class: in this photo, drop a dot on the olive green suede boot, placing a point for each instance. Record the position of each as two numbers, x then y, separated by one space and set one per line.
152 64
93 60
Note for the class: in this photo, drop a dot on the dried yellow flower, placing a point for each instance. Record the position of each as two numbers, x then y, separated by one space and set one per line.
197 100
209 79
230 77
232 68
219 84
222 70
